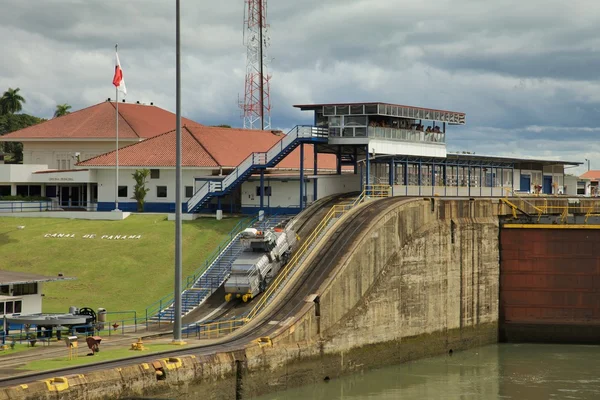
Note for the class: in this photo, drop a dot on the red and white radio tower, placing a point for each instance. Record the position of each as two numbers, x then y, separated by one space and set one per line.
257 101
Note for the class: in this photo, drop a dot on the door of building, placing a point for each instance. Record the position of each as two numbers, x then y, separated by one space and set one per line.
525 183
75 196
547 186
65 196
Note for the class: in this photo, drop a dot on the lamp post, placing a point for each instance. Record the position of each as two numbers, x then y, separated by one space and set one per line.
178 253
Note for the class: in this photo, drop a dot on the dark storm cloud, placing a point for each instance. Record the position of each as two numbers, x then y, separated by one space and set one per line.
523 71
565 64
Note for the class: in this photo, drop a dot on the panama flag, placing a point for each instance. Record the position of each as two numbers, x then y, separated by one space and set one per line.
118 80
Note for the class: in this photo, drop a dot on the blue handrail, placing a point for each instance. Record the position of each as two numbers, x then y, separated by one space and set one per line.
167 300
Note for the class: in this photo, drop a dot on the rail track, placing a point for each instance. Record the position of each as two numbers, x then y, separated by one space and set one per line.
307 282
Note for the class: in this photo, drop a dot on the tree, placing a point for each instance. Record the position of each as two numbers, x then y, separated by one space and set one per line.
62 109
14 122
140 190
11 101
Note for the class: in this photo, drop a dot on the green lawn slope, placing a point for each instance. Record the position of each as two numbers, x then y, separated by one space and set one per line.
115 274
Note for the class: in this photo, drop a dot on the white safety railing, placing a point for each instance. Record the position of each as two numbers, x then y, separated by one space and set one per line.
256 159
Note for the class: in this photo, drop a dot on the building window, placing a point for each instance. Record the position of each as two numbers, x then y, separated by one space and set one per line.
122 191
161 191
267 190
9 307
4 190
155 174
18 306
50 191
22 190
1 307
4 290
189 191
25 289
35 190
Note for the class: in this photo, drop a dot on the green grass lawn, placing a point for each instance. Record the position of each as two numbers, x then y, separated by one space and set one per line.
115 274
103 355
19 347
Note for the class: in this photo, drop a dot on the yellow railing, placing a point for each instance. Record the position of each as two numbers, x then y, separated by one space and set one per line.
593 209
216 329
336 211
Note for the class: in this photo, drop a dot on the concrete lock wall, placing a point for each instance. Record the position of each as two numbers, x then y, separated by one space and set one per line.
422 279
419 282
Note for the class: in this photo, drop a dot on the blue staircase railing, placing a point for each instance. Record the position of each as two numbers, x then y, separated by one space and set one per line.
168 300
209 278
268 159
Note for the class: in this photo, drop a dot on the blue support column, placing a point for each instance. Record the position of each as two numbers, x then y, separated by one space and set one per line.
502 181
301 176
469 182
355 160
457 180
367 167
512 179
433 179
262 189
406 176
361 178
491 182
419 178
218 202
445 173
315 172
481 181
339 160
392 175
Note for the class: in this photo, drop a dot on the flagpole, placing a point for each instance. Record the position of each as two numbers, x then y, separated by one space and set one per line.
117 145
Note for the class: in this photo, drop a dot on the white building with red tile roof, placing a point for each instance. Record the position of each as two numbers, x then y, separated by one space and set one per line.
72 160
210 153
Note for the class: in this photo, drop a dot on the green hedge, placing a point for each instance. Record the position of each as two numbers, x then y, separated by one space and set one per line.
24 198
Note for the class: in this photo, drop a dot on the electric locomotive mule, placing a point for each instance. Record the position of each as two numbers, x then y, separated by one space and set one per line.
265 252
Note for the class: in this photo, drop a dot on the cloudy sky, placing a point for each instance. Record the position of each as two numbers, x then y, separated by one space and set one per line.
525 71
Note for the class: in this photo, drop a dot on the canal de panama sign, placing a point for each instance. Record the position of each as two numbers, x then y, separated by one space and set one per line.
93 236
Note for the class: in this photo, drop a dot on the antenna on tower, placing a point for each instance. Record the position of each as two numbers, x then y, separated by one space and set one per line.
256 108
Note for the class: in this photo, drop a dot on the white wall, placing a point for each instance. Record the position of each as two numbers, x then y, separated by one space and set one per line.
19 173
31 304
284 193
382 146
48 152
332 184
414 149
571 185
106 183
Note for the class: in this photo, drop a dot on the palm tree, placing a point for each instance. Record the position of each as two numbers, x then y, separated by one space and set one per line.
11 101
62 109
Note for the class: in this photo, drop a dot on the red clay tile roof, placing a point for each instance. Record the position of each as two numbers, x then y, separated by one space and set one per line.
205 146
158 151
98 122
593 174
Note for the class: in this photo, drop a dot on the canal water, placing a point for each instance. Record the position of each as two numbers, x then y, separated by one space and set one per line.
503 371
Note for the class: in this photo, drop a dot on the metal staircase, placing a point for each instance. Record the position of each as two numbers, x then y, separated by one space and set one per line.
216 273
299 134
